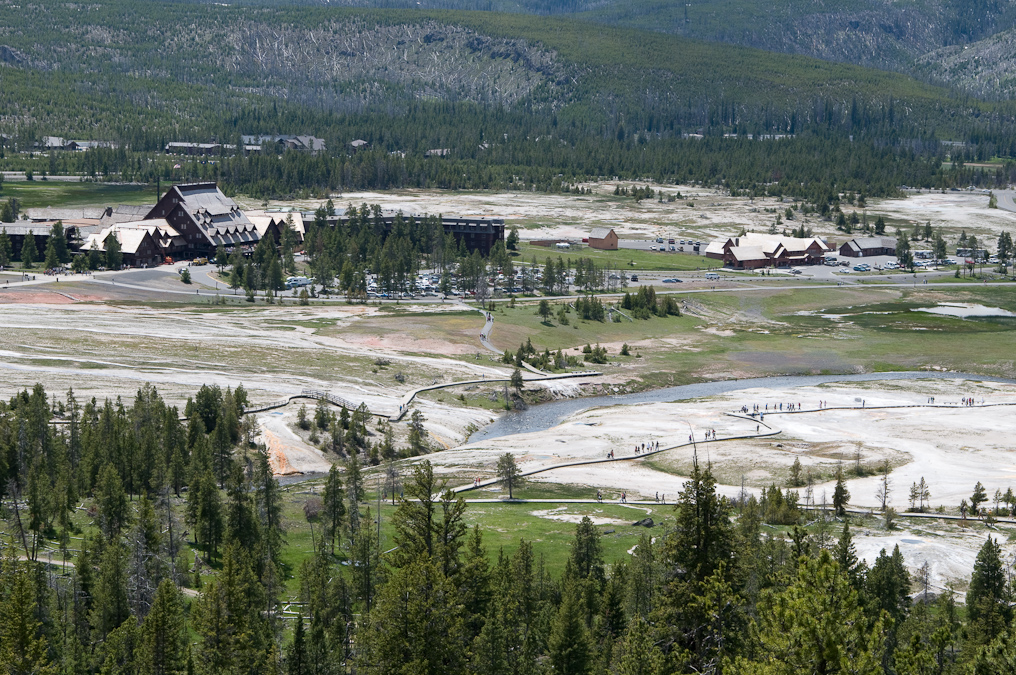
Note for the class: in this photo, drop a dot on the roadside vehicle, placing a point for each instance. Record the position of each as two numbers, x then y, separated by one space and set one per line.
712 276
672 281
634 277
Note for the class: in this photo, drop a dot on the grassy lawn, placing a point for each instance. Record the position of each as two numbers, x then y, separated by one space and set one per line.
622 258
39 193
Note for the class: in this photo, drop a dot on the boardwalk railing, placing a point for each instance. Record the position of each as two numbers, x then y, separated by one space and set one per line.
331 398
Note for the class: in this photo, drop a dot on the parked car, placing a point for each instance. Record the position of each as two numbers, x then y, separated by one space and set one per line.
634 277
672 281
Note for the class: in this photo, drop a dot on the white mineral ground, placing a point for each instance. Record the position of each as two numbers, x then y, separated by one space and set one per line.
951 448
543 216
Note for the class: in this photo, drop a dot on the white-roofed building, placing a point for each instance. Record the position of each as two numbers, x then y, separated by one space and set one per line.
138 246
754 250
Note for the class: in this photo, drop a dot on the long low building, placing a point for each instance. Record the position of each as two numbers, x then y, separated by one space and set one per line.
753 251
478 234
142 243
865 247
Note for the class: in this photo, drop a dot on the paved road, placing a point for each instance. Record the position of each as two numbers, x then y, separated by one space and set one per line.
1006 199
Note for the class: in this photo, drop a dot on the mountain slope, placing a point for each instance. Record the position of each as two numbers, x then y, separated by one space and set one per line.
898 35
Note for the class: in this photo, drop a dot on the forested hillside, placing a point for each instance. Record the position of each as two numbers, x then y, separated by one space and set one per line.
518 101
900 36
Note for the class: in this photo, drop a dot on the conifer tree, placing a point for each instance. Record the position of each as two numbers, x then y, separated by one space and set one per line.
296 655
703 536
58 238
163 635
6 249
333 513
28 252
841 496
51 261
569 648
988 596
114 256
23 647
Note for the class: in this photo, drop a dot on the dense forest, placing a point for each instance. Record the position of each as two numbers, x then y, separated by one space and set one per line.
518 102
715 592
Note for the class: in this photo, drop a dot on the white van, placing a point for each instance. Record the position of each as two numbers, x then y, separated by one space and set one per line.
712 276
563 245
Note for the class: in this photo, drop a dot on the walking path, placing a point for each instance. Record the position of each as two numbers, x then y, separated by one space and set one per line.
408 398
485 341
626 458
759 419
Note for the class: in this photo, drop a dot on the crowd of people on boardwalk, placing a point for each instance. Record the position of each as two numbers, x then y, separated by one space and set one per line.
653 447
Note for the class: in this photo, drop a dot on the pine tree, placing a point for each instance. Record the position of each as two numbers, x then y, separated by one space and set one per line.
110 606
163 635
988 595
114 257
28 252
58 238
23 646
333 513
796 633
637 654
703 536
354 489
977 498
416 626
296 655
234 633
112 502
888 585
841 496
6 249
509 473
52 261
587 554
569 647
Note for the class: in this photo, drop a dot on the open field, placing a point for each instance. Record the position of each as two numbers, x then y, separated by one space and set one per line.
629 260
39 193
